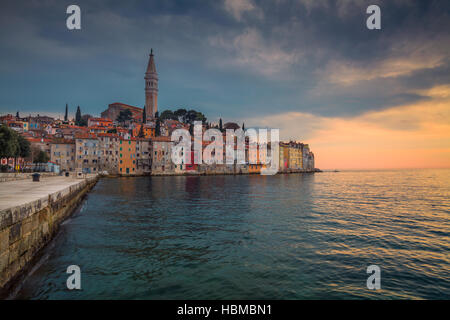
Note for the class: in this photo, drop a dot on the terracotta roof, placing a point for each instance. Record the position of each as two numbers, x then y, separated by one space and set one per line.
113 135
85 136
162 139
126 106
63 141
100 119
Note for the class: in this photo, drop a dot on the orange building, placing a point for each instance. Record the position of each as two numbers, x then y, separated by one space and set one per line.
147 131
127 156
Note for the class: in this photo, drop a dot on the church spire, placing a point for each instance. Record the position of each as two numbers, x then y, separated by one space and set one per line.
151 68
151 88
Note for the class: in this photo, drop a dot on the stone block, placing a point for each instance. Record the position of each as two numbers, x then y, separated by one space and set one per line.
4 240
27 226
13 252
5 218
15 232
4 261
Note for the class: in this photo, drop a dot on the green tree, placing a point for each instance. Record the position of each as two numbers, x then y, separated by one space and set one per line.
24 147
181 115
168 115
66 114
17 114
144 116
78 117
243 126
220 125
9 145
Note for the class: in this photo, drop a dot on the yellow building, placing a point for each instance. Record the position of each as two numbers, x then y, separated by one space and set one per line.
295 156
284 157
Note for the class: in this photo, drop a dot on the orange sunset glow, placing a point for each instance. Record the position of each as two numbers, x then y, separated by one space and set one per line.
409 136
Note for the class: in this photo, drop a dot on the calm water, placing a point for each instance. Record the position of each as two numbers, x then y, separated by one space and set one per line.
294 236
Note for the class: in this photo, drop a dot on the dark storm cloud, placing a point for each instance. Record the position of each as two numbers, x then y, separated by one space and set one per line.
227 58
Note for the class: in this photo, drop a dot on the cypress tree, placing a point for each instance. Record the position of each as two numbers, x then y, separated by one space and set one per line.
158 125
220 125
144 116
78 117
66 114
243 126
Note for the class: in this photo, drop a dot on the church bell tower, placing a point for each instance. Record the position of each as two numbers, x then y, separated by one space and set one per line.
151 88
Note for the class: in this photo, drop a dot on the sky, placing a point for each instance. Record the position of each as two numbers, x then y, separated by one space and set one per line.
360 98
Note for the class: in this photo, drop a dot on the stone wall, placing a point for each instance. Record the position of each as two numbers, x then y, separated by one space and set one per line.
4 177
26 229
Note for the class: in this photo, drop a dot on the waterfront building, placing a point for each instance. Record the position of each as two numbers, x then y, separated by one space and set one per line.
143 156
62 152
109 151
295 155
127 156
88 153
162 155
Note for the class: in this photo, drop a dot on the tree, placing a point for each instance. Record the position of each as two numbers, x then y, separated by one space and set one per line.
180 115
17 114
66 114
158 125
24 147
78 117
9 144
144 116
42 157
124 115
168 115
220 125
12 144
243 126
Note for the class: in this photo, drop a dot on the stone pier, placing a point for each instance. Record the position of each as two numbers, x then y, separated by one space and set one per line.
30 214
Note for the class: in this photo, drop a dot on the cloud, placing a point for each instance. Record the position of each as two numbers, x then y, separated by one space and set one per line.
251 51
237 8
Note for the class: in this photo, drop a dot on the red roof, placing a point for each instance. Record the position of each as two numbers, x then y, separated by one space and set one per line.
85 136
162 139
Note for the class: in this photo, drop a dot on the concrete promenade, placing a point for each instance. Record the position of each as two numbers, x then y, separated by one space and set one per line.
20 192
